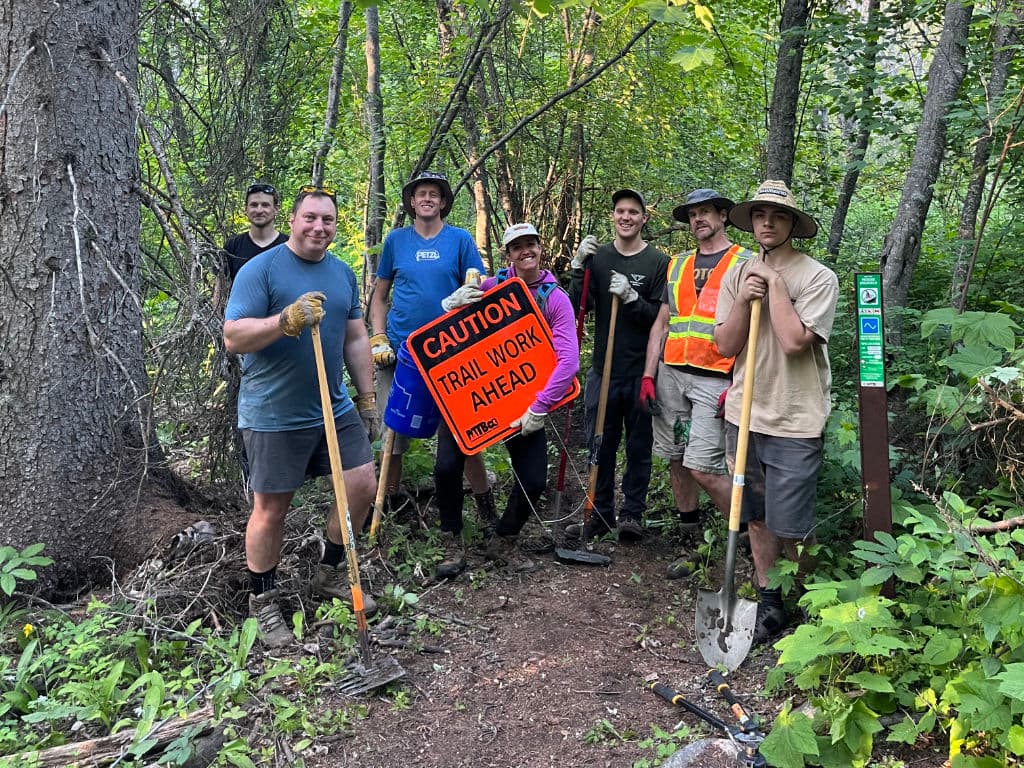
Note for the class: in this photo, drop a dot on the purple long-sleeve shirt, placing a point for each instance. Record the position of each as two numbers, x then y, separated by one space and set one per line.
558 312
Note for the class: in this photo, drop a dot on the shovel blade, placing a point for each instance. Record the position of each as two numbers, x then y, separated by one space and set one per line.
581 557
361 678
725 628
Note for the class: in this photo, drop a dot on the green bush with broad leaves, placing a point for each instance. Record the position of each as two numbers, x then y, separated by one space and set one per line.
941 660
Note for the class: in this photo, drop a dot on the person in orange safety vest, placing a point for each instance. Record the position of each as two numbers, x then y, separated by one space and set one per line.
685 376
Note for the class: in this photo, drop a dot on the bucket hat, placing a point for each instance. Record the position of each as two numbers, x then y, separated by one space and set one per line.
515 231
616 196
698 196
425 177
776 193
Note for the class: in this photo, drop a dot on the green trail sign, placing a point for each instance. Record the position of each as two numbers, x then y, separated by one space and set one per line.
869 330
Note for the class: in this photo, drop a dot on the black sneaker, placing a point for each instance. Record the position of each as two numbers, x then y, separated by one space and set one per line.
595 529
681 567
770 622
453 561
630 531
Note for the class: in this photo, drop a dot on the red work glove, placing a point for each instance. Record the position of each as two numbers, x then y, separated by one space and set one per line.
720 412
648 398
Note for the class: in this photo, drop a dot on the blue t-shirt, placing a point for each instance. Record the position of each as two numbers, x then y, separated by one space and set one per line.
280 390
422 272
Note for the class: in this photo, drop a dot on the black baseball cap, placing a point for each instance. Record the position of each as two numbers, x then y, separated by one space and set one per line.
616 196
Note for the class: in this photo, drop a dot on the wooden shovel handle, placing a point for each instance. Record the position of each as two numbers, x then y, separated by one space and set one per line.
602 408
385 463
743 437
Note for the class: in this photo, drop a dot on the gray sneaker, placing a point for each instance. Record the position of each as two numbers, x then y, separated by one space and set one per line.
505 551
329 581
273 630
453 562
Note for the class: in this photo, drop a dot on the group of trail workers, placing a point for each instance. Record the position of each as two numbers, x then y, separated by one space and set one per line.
674 388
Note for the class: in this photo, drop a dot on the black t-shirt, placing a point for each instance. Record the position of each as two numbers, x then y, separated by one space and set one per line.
646 272
241 248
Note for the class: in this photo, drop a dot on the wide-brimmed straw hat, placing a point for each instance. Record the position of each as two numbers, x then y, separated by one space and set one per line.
774 192
698 196
428 177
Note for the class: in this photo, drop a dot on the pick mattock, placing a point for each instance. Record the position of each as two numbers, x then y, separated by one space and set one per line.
583 555
725 622
365 675
567 430
385 464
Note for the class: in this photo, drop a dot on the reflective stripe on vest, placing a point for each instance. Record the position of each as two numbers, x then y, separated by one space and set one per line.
691 325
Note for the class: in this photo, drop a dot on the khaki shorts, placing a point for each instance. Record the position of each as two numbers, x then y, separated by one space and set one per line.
685 427
382 379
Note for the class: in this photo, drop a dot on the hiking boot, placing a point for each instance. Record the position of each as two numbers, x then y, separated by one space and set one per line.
630 531
485 508
771 620
453 562
272 628
595 529
329 581
504 550
681 567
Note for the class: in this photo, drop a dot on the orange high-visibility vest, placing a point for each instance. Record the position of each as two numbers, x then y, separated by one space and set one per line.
691 324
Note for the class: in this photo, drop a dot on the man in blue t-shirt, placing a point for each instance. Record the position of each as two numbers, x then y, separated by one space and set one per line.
276 295
422 265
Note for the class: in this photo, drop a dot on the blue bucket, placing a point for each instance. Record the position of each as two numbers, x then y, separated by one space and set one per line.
410 410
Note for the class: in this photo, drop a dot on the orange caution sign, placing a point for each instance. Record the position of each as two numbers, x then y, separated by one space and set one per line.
484 364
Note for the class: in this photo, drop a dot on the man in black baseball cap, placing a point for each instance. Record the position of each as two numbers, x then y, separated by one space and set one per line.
628 273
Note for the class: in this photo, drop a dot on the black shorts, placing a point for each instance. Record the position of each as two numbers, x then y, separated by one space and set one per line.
279 462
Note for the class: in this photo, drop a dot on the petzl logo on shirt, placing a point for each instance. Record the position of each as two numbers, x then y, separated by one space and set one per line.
428 255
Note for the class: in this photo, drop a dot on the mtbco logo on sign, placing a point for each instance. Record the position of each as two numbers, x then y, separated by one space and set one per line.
485 362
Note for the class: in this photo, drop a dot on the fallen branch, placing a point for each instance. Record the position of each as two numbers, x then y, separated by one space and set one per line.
107 749
1002 525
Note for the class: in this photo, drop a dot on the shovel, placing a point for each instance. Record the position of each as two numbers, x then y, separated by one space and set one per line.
725 623
583 555
385 464
366 674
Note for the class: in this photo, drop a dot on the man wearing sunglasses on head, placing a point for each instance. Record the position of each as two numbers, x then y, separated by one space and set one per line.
262 202
423 267
276 296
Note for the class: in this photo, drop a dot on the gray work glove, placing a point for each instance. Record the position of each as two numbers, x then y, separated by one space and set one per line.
461 296
530 421
584 253
306 310
620 287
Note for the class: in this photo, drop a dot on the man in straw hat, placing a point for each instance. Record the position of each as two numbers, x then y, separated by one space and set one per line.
692 374
423 267
792 383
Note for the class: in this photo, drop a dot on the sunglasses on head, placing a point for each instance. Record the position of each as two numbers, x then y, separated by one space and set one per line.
313 189
266 189
432 175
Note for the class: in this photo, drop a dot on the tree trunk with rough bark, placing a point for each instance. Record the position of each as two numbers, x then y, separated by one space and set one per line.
74 398
902 245
860 145
781 147
376 203
1004 47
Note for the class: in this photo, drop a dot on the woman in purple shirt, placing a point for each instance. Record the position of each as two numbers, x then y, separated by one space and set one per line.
528 449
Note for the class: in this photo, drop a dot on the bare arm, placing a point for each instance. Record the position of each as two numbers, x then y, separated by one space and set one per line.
251 334
656 341
357 356
379 305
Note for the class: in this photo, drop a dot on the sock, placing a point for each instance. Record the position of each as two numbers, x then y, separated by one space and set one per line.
333 553
690 518
771 597
262 582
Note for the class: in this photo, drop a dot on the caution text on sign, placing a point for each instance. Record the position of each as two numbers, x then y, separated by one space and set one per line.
484 363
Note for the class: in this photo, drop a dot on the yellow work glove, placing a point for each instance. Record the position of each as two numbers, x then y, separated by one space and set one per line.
306 310
366 405
380 348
